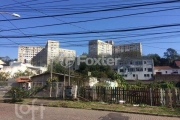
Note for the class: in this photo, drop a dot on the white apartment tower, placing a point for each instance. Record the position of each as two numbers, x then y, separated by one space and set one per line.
42 56
100 48
26 53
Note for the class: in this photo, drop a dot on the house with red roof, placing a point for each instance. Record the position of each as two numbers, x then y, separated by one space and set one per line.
164 70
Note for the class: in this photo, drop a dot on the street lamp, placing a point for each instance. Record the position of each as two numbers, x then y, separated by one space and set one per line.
12 14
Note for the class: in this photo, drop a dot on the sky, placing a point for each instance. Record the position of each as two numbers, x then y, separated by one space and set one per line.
123 27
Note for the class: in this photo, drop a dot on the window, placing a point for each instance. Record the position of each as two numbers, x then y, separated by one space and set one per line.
166 72
144 62
147 75
133 75
144 75
144 69
151 75
149 69
125 75
121 70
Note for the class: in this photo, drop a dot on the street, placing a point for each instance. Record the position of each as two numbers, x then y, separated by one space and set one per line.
7 112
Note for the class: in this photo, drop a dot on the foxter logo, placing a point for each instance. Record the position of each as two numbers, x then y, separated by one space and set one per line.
66 61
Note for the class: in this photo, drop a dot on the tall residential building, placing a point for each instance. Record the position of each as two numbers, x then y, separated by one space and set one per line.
100 48
134 47
50 51
26 53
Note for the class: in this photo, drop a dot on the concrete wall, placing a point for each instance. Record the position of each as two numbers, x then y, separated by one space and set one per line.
167 78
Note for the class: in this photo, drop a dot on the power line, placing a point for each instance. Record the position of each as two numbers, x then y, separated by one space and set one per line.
17 28
102 10
91 20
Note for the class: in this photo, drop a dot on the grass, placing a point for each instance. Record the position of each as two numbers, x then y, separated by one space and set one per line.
160 110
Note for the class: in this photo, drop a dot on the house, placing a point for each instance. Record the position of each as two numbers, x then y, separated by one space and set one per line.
42 78
63 80
24 82
177 64
164 70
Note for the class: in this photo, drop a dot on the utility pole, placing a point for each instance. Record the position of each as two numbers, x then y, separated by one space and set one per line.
51 79
51 68
64 86
69 73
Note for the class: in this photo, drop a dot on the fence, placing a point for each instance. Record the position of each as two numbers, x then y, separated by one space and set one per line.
149 96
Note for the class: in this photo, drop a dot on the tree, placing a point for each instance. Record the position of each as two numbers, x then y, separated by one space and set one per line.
50 82
120 80
171 55
4 76
57 67
20 73
156 58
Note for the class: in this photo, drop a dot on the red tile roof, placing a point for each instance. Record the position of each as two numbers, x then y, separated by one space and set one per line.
177 63
162 67
23 79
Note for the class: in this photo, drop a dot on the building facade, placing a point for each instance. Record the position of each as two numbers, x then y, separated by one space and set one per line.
136 69
134 47
165 70
51 52
26 53
42 56
100 48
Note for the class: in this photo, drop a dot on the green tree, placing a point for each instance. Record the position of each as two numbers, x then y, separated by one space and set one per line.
50 82
156 58
120 80
171 55
4 76
25 73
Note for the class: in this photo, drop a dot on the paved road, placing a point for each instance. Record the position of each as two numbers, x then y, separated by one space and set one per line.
7 112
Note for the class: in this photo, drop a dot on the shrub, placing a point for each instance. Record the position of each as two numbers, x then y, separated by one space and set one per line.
17 94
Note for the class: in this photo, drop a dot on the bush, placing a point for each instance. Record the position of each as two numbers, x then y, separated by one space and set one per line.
17 94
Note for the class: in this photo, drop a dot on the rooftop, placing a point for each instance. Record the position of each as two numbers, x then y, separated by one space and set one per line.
162 67
177 63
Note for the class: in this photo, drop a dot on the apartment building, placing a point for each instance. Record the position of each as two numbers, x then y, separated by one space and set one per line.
64 53
26 53
51 52
135 47
100 48
136 69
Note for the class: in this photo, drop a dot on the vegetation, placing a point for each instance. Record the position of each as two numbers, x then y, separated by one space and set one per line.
169 57
4 76
50 82
18 94
99 71
161 110
20 73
